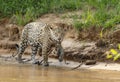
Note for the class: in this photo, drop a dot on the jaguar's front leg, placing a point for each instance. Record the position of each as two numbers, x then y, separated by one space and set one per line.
19 58
45 56
60 52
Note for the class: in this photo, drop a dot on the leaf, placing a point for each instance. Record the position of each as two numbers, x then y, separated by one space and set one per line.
109 56
116 57
101 34
113 51
119 46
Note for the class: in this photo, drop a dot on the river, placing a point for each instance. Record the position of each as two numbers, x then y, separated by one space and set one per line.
34 73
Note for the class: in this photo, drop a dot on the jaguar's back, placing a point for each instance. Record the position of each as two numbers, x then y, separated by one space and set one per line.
33 32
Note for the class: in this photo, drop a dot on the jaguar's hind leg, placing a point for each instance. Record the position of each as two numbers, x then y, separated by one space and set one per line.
40 51
22 48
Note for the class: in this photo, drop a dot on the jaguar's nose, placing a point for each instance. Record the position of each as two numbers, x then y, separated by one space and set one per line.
59 39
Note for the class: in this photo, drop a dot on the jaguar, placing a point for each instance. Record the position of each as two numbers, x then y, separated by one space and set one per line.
41 36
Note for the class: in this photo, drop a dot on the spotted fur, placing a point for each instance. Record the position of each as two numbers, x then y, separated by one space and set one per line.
43 36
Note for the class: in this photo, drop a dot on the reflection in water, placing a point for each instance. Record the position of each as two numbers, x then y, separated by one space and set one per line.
34 73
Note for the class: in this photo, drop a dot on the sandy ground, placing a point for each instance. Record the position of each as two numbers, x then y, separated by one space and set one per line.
98 65
71 64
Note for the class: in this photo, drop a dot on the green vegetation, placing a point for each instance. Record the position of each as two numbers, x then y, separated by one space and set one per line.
99 13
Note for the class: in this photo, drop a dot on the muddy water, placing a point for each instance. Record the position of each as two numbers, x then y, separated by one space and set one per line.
32 73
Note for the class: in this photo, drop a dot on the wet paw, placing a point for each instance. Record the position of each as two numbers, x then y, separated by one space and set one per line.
20 61
67 63
40 62
35 62
60 60
45 64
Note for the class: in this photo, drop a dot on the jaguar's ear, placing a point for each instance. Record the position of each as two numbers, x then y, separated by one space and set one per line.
60 26
68 27
65 27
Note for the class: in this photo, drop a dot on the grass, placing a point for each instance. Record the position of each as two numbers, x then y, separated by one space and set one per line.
99 13
10 7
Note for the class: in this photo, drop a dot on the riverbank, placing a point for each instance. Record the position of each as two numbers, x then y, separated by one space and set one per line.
97 66
71 65
74 50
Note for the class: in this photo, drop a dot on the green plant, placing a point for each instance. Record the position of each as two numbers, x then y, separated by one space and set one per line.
101 33
89 19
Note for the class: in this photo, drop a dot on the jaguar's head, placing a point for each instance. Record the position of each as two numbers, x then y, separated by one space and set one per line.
57 34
